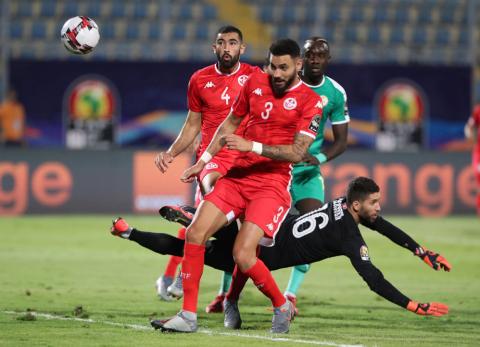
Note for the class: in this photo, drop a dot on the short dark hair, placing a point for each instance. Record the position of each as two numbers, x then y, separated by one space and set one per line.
318 40
229 29
359 188
285 47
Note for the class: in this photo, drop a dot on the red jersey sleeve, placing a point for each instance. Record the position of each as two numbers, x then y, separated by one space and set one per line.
476 116
194 101
241 106
311 116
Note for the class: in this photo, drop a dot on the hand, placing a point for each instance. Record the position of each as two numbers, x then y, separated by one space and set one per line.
434 260
309 159
189 174
436 309
233 141
162 160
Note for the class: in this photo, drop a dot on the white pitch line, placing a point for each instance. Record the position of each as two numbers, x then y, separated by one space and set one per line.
202 331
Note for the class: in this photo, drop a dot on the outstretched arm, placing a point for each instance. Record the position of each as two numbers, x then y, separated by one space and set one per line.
377 283
432 259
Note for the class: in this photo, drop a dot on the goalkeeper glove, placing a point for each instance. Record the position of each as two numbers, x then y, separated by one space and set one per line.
434 260
436 309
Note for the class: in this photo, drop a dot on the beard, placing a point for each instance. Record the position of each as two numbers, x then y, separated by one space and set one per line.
279 91
227 64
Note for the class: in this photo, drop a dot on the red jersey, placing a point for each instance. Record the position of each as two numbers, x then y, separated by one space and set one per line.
212 93
273 121
475 121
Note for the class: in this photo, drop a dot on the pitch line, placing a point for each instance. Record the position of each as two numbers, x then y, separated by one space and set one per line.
202 331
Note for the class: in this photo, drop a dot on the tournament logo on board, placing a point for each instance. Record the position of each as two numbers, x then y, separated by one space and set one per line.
91 109
401 106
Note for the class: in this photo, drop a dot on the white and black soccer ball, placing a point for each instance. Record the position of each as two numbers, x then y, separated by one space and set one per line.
80 35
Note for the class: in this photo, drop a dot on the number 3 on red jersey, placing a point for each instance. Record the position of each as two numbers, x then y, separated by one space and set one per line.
268 108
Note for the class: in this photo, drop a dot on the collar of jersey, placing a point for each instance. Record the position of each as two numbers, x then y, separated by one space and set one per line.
316 86
227 74
295 86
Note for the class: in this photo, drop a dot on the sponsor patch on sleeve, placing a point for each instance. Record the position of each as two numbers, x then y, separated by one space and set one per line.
315 123
364 253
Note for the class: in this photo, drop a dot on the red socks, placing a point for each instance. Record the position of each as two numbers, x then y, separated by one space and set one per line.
238 282
174 261
192 270
264 281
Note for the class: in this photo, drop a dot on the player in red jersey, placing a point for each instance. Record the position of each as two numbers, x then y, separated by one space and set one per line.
472 132
283 119
211 93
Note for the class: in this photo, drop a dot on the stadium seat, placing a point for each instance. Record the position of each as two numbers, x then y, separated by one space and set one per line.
107 30
373 36
442 36
266 14
380 14
25 9
16 30
132 30
140 10
397 35
39 30
118 9
48 8
153 31
209 12
179 32
70 9
420 36
93 9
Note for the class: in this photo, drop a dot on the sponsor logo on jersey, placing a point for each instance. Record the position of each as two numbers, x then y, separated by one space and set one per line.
270 226
324 100
211 166
319 104
364 253
258 92
290 104
338 209
209 84
315 123
242 79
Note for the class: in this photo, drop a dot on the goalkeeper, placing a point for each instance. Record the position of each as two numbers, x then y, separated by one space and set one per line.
329 231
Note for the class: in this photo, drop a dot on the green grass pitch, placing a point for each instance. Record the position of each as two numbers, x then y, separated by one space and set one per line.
53 264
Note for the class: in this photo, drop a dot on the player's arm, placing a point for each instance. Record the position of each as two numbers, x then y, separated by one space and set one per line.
469 130
228 126
190 130
398 236
293 153
377 283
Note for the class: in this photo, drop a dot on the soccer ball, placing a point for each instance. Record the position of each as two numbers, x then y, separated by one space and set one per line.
80 35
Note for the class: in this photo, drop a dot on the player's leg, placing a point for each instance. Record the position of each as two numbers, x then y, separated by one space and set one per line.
308 194
208 179
166 281
207 220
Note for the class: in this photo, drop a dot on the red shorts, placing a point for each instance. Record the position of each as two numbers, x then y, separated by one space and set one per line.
262 206
221 163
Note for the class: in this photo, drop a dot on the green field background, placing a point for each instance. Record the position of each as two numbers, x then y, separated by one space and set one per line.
53 264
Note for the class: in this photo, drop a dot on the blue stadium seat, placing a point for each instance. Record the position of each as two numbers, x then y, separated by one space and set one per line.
179 31
70 9
266 14
107 30
373 36
93 10
153 31
357 14
133 30
48 8
397 35
442 36
25 9
289 15
425 15
39 30
420 36
447 15
351 34
209 12
328 34
185 12
201 31
16 30
282 32
380 14
333 14
463 37
118 9
140 10
402 15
